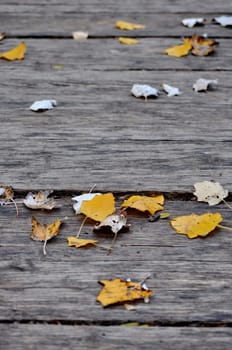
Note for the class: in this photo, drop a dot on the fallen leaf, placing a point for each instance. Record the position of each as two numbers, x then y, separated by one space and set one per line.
57 66
171 90
145 91
80 199
39 200
127 41
44 232
224 21
210 192
116 222
2 36
191 22
202 46
80 243
43 105
164 215
123 25
99 207
16 53
180 50
196 225
7 195
145 203
203 84
118 291
81 36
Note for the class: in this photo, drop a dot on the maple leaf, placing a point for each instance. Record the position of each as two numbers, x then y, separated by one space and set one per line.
145 203
80 243
123 25
202 46
99 207
80 199
128 41
39 200
44 232
180 50
210 192
118 291
16 53
196 225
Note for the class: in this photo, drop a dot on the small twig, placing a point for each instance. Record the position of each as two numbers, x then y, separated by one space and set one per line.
81 227
92 188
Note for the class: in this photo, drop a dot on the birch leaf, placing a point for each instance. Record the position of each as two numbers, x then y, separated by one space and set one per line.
80 243
224 21
203 84
191 22
99 207
196 225
118 291
145 91
16 53
171 90
210 192
127 41
145 203
180 50
79 200
123 25
39 200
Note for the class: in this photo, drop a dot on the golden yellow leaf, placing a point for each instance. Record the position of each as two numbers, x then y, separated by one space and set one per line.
127 41
16 53
145 203
196 225
44 232
123 25
202 46
118 291
79 243
180 50
99 207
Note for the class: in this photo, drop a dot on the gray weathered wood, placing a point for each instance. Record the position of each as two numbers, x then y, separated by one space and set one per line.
53 337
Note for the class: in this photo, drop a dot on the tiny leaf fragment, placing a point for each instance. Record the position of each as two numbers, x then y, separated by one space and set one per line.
43 105
127 41
123 25
171 90
224 21
81 36
180 50
16 53
204 84
192 22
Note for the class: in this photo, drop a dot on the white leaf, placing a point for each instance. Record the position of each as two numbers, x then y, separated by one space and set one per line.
2 191
203 84
145 91
43 105
224 21
210 192
39 200
80 35
81 198
191 22
116 222
171 90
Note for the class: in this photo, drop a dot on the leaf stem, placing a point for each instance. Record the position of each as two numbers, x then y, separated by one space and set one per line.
226 203
224 227
81 227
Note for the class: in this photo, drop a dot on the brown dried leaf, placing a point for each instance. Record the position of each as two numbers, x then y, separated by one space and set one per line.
39 200
202 46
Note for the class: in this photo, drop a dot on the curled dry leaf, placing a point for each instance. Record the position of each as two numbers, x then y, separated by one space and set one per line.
116 222
123 25
191 22
43 105
119 291
80 243
180 50
171 90
81 36
145 91
202 46
145 203
16 53
44 232
127 41
99 207
7 195
39 200
210 192
80 199
203 84
196 225
2 36
224 21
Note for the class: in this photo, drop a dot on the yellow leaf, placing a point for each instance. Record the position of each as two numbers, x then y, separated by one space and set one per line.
79 243
180 50
99 207
127 41
16 53
118 291
196 225
44 232
144 203
123 25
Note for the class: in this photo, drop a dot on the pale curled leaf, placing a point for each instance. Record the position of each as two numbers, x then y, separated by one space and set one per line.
2 36
171 90
191 22
79 200
145 91
203 84
39 200
81 36
43 105
6 193
210 192
224 21
116 222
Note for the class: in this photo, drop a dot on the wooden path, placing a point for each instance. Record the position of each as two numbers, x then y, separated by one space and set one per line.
100 134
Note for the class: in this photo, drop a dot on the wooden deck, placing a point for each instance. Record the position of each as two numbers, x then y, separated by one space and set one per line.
100 134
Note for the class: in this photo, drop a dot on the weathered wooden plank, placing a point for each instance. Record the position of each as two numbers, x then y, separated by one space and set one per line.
52 337
191 279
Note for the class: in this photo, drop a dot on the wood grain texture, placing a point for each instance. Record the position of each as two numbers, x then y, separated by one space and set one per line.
191 279
53 337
